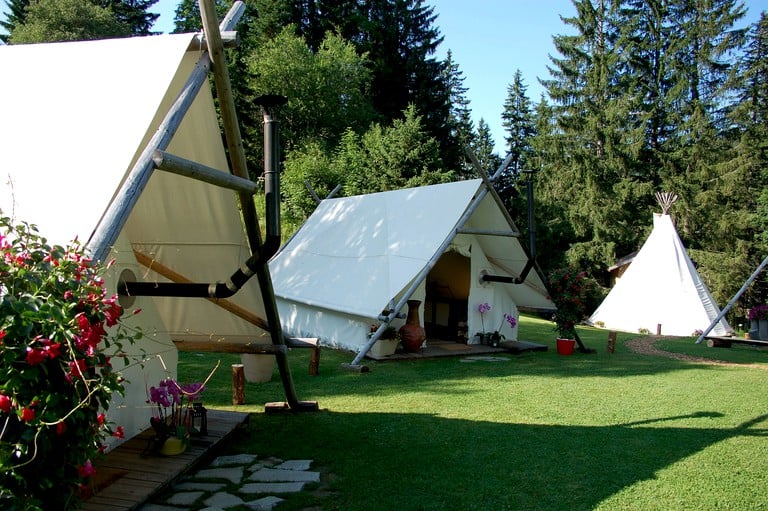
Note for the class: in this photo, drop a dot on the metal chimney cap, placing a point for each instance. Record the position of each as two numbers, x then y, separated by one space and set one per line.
268 100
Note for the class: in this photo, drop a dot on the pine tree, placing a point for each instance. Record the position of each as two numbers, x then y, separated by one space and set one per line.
517 120
484 148
16 14
460 119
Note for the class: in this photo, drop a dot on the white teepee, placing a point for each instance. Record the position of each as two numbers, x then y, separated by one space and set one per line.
660 287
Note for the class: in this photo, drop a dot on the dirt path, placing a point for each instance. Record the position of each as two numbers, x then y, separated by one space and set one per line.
647 346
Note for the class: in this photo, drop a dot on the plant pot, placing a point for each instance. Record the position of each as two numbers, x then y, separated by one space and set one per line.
174 446
565 346
412 334
496 339
384 347
258 368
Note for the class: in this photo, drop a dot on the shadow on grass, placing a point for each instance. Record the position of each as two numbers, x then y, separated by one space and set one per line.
425 462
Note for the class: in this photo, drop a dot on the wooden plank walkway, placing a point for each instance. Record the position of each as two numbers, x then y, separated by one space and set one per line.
127 477
437 348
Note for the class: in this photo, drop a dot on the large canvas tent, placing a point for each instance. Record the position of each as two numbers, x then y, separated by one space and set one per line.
661 290
356 257
77 117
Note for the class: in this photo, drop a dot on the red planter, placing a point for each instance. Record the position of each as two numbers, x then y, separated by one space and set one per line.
412 334
565 346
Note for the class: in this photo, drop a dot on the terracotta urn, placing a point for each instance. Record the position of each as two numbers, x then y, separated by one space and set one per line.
412 334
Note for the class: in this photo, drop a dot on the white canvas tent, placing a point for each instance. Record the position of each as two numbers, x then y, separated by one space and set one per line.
76 117
356 257
660 287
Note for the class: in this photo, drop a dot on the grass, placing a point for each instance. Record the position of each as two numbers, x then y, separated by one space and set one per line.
535 431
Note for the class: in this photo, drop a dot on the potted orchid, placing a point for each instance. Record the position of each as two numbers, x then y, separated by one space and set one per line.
495 337
172 411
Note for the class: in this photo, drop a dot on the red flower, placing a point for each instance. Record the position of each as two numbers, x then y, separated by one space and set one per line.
100 419
35 356
77 368
120 433
27 414
5 403
113 311
61 427
86 470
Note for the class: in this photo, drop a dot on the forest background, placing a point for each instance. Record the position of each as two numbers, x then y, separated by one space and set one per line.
643 96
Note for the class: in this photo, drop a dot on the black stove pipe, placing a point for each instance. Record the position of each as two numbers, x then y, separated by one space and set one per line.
271 242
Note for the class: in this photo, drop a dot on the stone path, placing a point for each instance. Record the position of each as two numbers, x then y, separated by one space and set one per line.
241 481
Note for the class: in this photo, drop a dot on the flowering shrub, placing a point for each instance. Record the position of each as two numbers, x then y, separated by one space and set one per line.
56 380
568 289
758 312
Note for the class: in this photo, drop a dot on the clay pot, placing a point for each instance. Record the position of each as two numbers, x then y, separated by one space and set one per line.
412 334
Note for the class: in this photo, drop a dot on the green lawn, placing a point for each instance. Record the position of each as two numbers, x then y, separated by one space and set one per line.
535 431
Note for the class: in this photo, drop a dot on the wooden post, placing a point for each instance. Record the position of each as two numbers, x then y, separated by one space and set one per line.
238 384
611 341
658 329
314 361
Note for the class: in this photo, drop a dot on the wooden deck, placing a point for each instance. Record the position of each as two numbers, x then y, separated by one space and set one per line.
714 341
439 348
128 477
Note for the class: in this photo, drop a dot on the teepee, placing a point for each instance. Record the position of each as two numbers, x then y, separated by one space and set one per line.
661 291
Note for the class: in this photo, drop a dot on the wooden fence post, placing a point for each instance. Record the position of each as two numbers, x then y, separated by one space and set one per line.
238 384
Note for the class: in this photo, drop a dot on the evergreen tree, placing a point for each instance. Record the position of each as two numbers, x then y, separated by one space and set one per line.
602 194
67 20
134 13
15 15
460 119
131 13
483 147
326 91
518 122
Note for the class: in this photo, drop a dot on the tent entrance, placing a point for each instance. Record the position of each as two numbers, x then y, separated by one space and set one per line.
447 297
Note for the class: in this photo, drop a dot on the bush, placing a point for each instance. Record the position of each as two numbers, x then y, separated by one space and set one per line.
56 374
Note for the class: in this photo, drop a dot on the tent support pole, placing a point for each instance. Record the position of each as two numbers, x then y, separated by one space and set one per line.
733 300
239 167
425 271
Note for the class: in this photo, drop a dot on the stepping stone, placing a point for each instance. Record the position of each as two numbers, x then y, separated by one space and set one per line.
194 485
264 504
233 474
272 487
484 359
295 465
184 498
274 474
237 459
223 500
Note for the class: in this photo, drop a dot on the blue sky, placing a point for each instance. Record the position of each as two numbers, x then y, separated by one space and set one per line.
489 39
